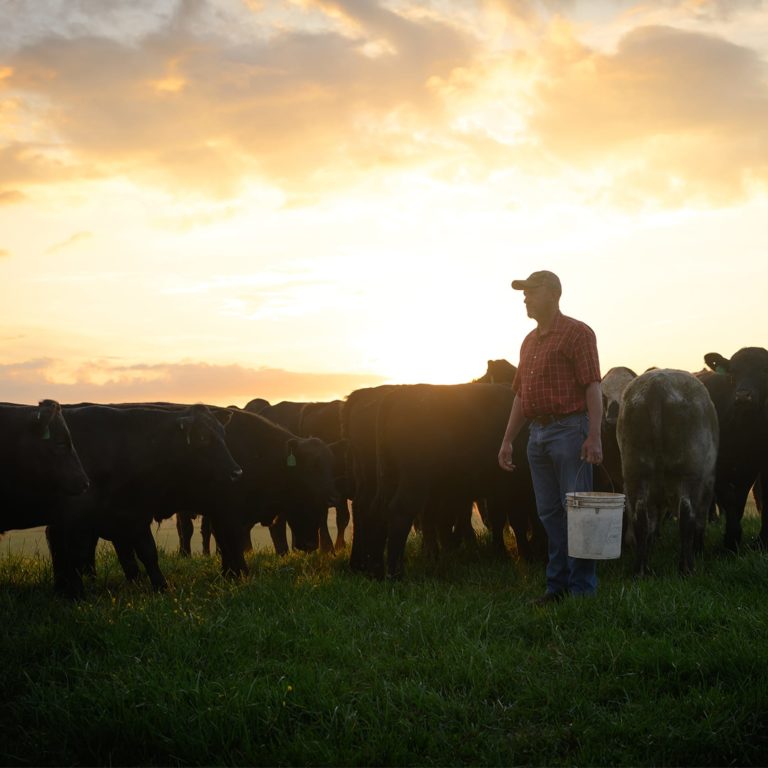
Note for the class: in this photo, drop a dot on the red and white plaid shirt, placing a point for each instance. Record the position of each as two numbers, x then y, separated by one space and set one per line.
556 367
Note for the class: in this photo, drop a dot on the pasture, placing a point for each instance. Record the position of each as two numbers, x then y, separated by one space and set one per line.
303 663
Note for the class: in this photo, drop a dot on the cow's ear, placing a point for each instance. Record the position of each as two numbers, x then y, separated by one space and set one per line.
47 411
223 416
717 362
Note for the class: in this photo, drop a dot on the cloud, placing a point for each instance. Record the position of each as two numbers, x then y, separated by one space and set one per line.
315 96
11 197
106 382
78 237
205 112
682 112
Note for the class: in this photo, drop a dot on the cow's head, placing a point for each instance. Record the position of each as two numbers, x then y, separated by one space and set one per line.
498 372
49 453
613 384
203 433
748 372
310 488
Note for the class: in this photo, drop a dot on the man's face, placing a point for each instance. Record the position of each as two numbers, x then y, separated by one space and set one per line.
539 301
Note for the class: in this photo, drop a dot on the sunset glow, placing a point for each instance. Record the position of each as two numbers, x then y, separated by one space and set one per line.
216 200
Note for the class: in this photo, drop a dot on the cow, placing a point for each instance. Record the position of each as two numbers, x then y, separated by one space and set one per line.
286 477
739 389
321 420
257 405
498 372
38 463
613 384
358 428
668 437
286 413
144 462
283 476
437 445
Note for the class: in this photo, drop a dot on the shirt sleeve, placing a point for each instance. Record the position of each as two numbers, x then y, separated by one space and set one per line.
586 360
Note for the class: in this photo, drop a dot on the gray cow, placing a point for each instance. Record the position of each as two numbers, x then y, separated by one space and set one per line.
668 438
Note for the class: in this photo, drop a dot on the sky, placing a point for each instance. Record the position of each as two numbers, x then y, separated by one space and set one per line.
217 200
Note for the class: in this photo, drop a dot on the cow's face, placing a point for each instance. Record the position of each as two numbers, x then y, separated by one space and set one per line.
49 454
748 373
613 385
311 489
205 441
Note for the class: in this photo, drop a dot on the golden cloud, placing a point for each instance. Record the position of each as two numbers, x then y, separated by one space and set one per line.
382 87
105 382
670 110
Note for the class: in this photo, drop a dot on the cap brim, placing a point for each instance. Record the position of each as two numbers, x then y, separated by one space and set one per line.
520 285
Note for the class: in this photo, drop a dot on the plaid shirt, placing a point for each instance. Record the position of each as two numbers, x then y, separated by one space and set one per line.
556 367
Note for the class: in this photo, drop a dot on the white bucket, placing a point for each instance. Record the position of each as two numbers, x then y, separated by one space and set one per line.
594 524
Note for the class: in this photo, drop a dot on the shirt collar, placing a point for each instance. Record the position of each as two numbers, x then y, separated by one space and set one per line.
556 323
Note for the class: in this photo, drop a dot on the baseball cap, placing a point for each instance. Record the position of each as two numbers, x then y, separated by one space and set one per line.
543 278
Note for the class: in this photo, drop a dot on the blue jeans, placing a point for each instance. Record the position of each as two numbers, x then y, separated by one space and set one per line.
556 469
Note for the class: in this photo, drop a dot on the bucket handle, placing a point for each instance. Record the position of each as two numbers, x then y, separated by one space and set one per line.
605 471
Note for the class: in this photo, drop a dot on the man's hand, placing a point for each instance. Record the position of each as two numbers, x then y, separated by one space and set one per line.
505 456
592 450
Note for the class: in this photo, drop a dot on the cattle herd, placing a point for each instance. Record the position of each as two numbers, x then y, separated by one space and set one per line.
678 444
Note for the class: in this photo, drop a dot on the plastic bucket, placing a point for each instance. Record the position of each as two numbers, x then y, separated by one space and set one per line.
594 524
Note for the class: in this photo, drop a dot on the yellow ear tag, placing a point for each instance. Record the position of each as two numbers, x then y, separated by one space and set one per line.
291 460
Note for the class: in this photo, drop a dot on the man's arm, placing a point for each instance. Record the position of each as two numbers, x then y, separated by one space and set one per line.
592 448
514 425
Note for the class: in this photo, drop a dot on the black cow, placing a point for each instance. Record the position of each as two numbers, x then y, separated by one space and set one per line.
739 389
38 462
285 478
286 413
439 444
321 420
358 427
498 372
257 405
668 436
144 462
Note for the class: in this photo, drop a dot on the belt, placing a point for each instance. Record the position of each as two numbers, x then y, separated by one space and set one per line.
551 418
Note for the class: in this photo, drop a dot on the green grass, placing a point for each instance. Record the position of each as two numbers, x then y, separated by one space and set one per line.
305 664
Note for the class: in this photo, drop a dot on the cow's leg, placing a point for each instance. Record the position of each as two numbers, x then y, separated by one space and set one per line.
206 531
246 542
733 500
229 532
324 535
185 528
760 492
687 535
463 532
83 552
146 549
493 513
342 521
407 501
66 579
279 535
431 535
125 555
369 535
639 513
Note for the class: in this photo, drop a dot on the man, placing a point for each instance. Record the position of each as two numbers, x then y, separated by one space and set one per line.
557 389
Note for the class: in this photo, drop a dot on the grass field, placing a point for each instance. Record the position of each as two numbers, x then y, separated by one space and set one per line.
303 663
